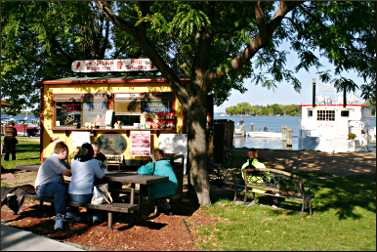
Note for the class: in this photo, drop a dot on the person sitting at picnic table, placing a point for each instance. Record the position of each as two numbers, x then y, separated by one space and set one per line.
49 182
252 169
84 170
161 167
99 155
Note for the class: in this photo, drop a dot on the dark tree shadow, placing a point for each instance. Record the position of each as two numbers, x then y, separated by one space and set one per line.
342 193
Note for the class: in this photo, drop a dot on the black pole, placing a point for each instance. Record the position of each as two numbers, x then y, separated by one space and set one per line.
344 97
313 99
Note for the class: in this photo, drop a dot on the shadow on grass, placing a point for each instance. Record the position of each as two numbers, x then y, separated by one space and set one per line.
341 193
28 147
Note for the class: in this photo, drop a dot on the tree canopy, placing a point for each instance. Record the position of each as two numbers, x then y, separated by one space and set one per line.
214 44
246 108
41 39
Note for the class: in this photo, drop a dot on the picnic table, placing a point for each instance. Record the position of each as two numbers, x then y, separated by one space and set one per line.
118 179
133 179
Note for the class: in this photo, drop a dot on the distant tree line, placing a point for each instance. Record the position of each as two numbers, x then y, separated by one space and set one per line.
245 108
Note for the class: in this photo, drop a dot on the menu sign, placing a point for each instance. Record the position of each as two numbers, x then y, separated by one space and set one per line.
115 65
157 103
68 113
140 143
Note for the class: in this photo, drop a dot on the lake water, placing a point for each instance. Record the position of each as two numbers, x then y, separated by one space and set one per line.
273 124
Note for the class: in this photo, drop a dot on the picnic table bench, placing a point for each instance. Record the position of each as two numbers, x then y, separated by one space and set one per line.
119 178
117 181
296 193
109 208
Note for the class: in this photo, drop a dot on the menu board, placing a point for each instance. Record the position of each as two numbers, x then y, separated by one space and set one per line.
79 138
68 114
174 143
94 109
140 143
155 103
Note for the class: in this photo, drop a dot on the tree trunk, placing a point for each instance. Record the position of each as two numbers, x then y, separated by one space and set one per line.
197 147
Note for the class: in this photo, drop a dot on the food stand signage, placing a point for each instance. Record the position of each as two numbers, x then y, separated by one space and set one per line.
115 65
141 143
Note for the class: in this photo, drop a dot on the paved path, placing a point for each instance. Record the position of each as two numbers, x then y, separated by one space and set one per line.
13 239
27 167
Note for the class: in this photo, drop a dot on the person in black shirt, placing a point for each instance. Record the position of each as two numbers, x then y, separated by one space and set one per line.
99 155
10 141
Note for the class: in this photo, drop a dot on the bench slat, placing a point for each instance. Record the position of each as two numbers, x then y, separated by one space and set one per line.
113 207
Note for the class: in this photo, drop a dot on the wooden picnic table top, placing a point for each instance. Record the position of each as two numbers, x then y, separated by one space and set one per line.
133 177
130 178
124 177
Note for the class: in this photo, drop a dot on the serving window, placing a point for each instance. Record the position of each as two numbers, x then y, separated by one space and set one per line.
94 109
67 110
126 110
144 110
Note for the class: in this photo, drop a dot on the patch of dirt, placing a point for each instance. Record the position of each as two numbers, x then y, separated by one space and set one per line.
17 178
340 164
165 232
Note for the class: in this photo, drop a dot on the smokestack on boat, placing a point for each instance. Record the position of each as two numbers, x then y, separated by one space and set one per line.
313 100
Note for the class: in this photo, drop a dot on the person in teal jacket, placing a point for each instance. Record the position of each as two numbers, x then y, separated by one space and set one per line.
160 167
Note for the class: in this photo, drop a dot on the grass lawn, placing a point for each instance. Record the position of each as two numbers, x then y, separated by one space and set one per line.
27 152
344 218
344 215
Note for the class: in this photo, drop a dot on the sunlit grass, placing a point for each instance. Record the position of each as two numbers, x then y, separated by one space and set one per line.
27 153
344 219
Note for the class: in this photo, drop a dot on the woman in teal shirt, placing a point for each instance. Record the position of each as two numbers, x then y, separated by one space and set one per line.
161 167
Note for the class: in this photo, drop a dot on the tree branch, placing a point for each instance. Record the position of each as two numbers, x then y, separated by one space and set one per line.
106 39
260 40
57 45
259 17
148 49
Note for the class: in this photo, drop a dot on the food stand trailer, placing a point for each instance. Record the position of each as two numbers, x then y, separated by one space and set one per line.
128 116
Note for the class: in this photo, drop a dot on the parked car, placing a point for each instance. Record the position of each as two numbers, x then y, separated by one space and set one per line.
27 128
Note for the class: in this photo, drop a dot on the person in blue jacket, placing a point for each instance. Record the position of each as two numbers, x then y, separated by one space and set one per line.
161 167
161 191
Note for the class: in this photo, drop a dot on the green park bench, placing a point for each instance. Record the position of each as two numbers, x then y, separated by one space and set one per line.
294 192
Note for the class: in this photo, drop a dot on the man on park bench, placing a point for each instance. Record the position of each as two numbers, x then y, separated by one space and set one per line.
250 172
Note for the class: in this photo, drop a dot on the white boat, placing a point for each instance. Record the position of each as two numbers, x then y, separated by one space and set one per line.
334 127
263 134
239 130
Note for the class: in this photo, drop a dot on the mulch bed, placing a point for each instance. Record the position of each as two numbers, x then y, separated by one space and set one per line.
176 232
164 232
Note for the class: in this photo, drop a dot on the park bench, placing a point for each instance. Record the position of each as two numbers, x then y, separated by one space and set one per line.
109 208
295 193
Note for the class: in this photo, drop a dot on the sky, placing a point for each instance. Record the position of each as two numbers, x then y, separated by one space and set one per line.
284 93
